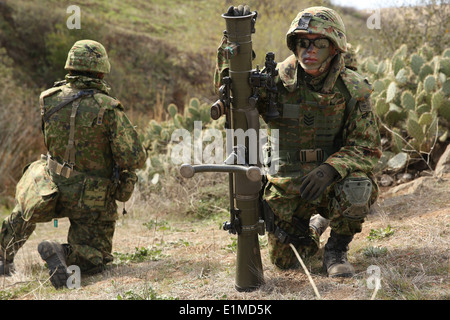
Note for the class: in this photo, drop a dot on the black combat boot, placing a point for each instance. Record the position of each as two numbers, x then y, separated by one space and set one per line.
335 261
55 255
6 268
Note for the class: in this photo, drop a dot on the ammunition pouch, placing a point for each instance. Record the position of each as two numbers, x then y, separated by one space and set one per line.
95 192
125 186
36 193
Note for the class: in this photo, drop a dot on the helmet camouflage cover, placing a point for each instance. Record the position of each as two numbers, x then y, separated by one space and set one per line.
318 20
88 55
350 58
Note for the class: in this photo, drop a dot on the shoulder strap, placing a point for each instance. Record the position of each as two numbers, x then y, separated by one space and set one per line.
350 102
80 94
69 156
70 152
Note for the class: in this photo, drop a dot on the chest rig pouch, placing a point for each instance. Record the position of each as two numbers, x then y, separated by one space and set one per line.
310 127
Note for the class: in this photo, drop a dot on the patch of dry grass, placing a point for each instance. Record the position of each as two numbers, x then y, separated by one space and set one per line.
196 259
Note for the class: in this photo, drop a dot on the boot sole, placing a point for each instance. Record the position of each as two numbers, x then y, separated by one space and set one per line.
341 275
337 275
55 262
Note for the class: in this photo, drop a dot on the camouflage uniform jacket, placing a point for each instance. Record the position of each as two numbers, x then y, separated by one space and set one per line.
312 116
104 136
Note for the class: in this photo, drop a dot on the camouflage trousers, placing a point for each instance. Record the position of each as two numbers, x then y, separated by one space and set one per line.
289 207
89 240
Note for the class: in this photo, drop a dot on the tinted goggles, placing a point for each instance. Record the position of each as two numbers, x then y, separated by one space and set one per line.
320 43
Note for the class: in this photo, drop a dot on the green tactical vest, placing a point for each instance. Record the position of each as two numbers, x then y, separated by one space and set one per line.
310 124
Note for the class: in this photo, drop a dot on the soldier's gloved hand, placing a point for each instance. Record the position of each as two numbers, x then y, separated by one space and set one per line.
315 182
240 10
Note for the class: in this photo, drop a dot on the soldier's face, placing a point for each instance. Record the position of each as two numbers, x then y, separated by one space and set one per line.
312 54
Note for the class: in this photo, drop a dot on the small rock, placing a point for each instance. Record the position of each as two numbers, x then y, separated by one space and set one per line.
398 161
386 180
405 177
443 165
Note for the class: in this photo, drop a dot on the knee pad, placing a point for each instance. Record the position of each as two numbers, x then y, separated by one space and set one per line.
352 197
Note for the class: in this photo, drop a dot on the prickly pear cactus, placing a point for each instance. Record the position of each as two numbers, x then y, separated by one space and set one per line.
414 129
429 83
411 97
158 135
416 62
408 101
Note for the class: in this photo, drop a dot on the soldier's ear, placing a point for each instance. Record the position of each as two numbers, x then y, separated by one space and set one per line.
333 50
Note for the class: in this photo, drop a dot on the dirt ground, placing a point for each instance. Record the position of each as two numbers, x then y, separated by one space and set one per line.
195 259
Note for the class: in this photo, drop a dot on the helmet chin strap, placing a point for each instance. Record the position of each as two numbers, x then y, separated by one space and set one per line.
325 63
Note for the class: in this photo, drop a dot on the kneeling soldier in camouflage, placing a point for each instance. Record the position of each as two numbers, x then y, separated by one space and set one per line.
328 144
93 152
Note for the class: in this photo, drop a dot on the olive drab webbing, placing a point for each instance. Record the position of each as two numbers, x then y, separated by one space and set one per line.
95 189
350 103
48 114
69 156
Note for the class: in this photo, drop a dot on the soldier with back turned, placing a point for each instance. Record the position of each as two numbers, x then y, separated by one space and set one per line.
93 152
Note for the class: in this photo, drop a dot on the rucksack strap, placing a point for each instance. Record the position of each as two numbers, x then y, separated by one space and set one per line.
350 104
80 94
69 156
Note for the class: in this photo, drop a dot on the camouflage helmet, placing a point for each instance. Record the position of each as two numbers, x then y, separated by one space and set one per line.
318 20
88 56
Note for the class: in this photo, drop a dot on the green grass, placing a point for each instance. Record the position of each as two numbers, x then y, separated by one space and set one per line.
377 234
144 293
139 255
374 251
154 224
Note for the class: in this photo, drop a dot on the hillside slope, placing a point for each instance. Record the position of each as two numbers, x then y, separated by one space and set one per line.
164 48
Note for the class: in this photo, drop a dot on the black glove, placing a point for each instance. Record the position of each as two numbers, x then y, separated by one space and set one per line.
315 182
240 10
125 187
